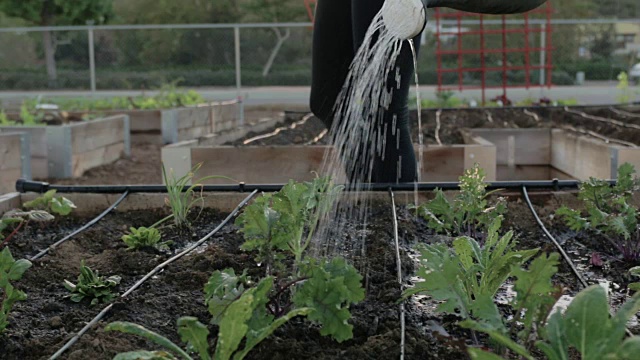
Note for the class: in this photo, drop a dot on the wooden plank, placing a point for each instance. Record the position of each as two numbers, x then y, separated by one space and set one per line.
9 201
38 138
579 156
177 158
484 156
141 120
10 151
627 155
39 168
442 163
96 157
224 116
8 179
532 146
530 172
265 165
194 117
92 135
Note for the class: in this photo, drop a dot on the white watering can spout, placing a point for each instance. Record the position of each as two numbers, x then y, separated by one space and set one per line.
405 18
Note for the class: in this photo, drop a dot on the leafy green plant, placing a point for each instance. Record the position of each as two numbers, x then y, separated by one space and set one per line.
469 213
10 270
59 205
277 222
246 315
14 220
145 237
624 91
92 286
586 327
467 277
27 117
534 301
635 271
609 213
4 119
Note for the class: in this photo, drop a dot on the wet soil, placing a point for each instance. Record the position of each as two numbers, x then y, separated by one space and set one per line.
44 323
47 320
454 120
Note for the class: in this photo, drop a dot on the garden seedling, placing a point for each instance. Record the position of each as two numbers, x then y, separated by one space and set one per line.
144 237
609 214
586 327
18 219
635 271
182 196
469 214
91 285
467 277
10 270
54 204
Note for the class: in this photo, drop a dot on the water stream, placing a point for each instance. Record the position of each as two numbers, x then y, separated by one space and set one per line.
358 137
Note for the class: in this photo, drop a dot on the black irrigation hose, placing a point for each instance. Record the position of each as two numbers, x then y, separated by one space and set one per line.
553 239
42 187
399 271
104 311
560 249
83 228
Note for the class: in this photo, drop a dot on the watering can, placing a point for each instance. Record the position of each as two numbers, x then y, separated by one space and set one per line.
406 18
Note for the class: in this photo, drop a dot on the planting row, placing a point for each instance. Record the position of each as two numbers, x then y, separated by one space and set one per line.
487 284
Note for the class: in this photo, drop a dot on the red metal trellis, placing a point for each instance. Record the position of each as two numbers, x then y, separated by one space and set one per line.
311 6
507 51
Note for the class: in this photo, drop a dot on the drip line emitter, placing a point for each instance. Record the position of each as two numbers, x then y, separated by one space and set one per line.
522 187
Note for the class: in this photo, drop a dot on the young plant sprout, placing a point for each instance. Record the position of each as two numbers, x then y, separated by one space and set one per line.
146 237
58 205
469 213
10 270
608 213
92 286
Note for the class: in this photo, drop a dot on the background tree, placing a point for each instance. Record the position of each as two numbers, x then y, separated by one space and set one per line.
55 13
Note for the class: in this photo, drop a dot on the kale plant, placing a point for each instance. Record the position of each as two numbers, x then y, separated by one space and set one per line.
467 277
469 213
586 327
49 202
93 286
10 270
608 213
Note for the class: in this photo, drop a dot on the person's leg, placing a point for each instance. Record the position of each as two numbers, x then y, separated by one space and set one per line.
399 162
331 56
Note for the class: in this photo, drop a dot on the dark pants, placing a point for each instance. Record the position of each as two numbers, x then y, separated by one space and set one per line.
339 30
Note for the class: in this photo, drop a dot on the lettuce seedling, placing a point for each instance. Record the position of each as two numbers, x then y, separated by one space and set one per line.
93 286
469 213
608 213
144 237
53 204
10 270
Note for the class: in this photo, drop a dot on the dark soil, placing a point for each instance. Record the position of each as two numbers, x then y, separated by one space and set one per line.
454 120
44 323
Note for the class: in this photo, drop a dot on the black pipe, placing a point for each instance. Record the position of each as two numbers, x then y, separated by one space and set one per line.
24 186
83 228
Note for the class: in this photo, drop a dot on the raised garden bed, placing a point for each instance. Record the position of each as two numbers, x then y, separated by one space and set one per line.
15 159
46 321
65 151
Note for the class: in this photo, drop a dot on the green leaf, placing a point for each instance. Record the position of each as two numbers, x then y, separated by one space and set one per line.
497 336
135 329
62 206
573 218
222 289
195 334
478 354
616 333
254 337
557 346
329 291
587 322
233 326
625 180
18 269
486 311
145 355
630 349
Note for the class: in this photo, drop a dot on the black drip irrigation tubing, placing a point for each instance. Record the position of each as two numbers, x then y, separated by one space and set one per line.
24 186
399 270
566 257
83 228
157 269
